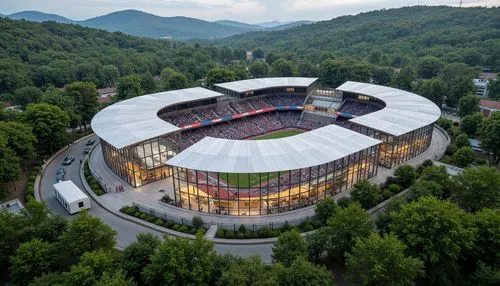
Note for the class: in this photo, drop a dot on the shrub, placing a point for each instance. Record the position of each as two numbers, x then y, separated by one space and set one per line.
427 163
343 202
386 194
242 228
197 222
264 232
220 233
159 222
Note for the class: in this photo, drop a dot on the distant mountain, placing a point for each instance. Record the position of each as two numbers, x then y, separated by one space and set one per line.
143 24
273 24
39 17
239 25
290 25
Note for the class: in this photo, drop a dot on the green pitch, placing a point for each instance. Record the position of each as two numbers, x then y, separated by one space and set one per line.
245 180
278 134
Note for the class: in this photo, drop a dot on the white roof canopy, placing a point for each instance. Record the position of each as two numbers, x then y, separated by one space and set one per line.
134 120
403 113
264 83
304 150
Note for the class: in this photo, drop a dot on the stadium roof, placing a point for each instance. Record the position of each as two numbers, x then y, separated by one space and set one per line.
134 120
404 111
263 83
304 150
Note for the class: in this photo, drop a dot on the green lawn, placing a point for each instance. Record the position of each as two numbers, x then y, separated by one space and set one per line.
254 179
278 134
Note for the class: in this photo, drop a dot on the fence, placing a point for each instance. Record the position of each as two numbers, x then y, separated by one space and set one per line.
229 226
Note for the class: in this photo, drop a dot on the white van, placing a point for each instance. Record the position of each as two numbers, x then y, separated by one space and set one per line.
71 197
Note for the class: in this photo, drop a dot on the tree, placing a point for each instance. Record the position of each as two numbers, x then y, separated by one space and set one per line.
128 87
117 278
436 232
137 254
365 193
405 78
486 275
468 105
283 68
87 233
429 67
335 72
470 124
382 75
85 98
176 80
109 76
461 87
487 242
288 247
259 69
9 165
432 89
342 229
91 267
302 272
148 84
463 157
490 136
405 175
245 271
26 95
379 260
12 227
424 188
478 188
258 54
325 209
494 87
219 75
462 140
180 261
49 124
32 258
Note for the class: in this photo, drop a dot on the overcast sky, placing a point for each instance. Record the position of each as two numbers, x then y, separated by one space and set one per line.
250 11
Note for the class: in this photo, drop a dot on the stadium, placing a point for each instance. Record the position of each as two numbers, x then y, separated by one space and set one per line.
263 146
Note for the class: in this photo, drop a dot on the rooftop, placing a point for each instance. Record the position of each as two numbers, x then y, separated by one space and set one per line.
490 104
13 206
134 120
70 191
404 111
304 150
263 83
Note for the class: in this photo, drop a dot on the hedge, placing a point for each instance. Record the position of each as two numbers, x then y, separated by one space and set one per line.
94 185
170 224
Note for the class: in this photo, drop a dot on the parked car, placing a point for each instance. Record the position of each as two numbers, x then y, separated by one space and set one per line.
86 150
91 142
60 174
68 160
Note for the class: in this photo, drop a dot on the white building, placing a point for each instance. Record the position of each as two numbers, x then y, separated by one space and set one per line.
481 85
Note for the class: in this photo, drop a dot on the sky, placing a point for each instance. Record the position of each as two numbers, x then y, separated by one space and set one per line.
249 11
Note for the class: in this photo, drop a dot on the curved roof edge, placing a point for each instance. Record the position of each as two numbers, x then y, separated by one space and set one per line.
134 120
308 149
263 83
404 111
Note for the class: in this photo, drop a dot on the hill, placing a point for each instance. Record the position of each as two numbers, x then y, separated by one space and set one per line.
471 33
148 25
39 17
290 25
239 25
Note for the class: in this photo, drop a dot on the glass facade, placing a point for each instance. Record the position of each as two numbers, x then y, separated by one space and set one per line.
269 193
142 163
396 150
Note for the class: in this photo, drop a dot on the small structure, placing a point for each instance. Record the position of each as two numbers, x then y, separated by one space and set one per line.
14 206
481 85
487 107
71 197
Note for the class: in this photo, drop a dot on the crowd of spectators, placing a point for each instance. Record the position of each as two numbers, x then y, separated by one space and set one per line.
249 126
233 107
358 108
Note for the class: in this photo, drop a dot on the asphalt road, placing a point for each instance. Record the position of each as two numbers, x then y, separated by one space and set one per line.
126 230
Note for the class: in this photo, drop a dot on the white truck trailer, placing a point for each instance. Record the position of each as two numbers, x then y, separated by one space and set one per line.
71 197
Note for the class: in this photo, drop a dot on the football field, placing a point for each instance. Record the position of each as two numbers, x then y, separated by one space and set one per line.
246 180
